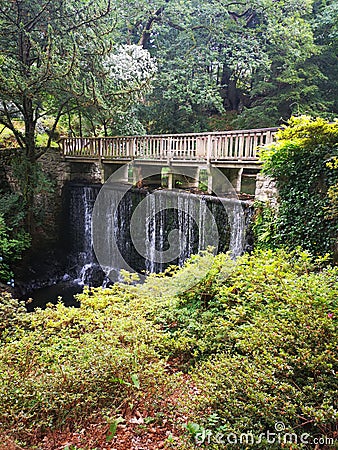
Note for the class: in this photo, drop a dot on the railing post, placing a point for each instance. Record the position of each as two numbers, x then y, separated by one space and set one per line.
62 146
241 149
209 148
134 147
169 154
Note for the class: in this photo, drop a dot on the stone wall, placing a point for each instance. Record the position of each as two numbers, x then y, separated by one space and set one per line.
56 169
266 190
7 179
91 172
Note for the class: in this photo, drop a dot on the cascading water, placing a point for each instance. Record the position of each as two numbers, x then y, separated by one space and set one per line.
165 211
83 266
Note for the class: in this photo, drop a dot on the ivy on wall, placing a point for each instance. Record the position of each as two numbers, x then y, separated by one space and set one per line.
299 161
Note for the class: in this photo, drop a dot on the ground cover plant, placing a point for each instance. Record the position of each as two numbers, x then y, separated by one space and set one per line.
251 345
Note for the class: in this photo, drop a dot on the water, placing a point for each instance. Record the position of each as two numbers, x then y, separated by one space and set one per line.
141 231
66 291
146 232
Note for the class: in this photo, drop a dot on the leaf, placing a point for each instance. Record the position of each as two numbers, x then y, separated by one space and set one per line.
113 428
193 428
135 380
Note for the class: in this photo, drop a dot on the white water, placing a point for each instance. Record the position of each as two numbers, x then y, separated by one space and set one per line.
177 220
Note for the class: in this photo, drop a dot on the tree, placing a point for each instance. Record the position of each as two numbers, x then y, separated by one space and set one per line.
59 58
260 62
325 25
45 48
129 71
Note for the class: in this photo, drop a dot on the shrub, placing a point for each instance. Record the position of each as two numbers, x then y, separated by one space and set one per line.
12 312
10 250
266 346
298 163
257 338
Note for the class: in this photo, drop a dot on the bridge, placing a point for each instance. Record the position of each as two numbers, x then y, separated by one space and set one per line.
216 147
233 152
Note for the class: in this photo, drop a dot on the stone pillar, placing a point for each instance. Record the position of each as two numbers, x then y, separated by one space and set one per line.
266 190
102 171
210 180
239 180
170 180
137 176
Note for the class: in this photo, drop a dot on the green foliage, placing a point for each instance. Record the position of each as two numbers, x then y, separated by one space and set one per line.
12 313
298 163
13 239
265 225
58 59
10 250
276 347
73 361
332 209
326 36
257 338
113 428
262 62
11 208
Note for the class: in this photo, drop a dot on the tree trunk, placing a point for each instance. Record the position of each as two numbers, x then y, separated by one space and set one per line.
30 163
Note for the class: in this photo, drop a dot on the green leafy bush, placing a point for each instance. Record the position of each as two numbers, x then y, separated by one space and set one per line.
68 363
10 250
12 313
298 162
13 238
252 343
277 349
265 225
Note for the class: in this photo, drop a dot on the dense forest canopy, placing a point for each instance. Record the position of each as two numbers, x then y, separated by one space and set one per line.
256 62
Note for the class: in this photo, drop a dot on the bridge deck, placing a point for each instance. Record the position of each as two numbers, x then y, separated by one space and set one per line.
239 146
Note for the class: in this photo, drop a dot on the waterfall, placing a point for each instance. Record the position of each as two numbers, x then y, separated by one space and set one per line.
83 266
173 225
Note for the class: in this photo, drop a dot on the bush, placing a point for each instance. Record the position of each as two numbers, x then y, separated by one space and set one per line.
256 339
10 250
13 239
68 363
12 312
298 161
262 348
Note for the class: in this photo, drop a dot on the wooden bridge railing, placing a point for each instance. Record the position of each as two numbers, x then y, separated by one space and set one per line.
217 146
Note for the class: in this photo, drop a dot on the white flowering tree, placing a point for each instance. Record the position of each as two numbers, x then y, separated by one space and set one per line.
128 72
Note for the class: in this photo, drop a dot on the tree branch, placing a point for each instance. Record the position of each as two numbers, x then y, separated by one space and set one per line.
91 20
9 124
56 121
35 19
146 31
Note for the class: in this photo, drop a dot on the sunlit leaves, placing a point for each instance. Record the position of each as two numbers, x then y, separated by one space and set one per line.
298 161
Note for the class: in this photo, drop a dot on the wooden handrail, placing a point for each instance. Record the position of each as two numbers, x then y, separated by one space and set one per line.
235 145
